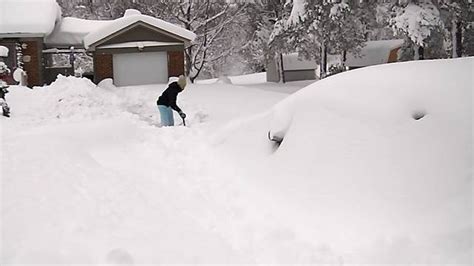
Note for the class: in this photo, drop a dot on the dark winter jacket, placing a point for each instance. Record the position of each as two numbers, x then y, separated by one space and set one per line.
3 91
168 97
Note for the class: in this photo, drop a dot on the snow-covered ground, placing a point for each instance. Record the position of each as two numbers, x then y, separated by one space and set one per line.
89 178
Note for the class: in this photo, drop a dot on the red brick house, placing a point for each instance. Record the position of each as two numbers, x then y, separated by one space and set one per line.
22 31
135 49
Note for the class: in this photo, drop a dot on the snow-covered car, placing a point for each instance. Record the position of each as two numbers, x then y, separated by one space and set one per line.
381 152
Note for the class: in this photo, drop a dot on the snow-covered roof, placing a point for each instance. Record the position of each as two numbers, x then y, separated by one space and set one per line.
36 17
71 31
293 62
373 53
134 17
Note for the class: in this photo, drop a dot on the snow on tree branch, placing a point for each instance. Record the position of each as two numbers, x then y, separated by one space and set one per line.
417 21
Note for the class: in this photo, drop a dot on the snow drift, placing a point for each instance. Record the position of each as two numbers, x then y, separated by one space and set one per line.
374 168
66 99
375 164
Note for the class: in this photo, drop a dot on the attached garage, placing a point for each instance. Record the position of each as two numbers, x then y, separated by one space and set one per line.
138 49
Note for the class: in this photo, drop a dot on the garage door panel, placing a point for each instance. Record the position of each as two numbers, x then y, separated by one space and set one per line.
140 68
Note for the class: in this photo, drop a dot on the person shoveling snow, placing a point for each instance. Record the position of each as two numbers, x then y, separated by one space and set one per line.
167 102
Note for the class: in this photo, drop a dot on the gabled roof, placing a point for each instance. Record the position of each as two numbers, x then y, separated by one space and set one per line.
28 17
133 17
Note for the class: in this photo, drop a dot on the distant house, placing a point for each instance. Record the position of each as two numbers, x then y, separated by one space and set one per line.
375 53
293 68
135 49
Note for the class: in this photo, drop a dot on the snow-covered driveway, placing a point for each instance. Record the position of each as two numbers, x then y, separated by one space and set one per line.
88 178
373 169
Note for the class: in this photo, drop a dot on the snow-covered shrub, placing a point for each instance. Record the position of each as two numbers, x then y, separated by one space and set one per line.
3 51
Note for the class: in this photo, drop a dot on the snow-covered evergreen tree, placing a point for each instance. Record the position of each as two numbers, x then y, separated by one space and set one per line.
456 15
262 16
315 27
416 19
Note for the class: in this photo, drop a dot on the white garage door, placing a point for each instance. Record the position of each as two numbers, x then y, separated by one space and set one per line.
140 68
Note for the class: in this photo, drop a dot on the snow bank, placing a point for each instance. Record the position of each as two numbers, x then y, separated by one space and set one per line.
107 84
116 190
29 16
359 174
66 99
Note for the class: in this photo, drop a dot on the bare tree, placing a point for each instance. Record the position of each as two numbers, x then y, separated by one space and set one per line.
209 19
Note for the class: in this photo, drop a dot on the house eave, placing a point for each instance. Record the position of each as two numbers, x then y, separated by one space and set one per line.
20 35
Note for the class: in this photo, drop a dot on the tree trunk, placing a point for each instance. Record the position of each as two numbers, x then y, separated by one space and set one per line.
323 66
344 59
188 62
416 55
280 67
419 52
459 38
454 33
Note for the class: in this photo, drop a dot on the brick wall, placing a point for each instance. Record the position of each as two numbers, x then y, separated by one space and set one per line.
103 67
175 63
34 67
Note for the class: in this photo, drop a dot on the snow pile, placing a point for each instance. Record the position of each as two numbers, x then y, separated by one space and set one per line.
375 164
29 16
3 51
107 84
68 98
116 190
